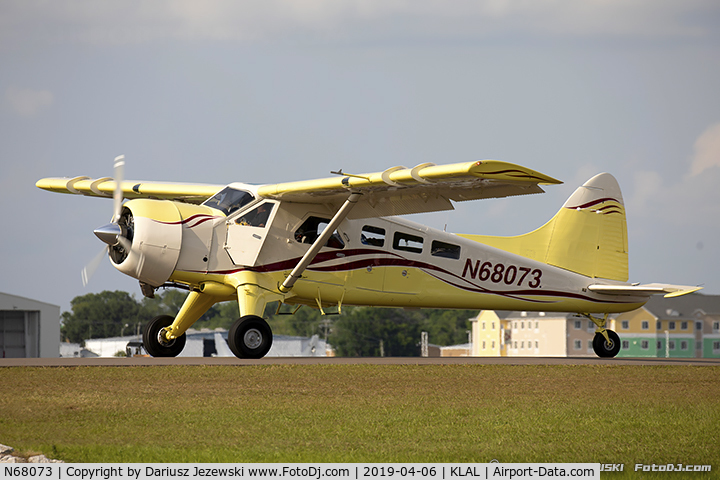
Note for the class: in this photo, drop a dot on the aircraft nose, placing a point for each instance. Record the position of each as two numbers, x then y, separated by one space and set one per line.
109 233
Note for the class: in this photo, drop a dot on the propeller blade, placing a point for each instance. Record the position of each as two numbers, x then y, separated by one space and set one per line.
111 234
89 270
119 172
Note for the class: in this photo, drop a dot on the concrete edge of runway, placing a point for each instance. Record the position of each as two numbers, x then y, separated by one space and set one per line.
231 361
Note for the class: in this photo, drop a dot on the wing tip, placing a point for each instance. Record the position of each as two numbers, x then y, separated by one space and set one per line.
685 291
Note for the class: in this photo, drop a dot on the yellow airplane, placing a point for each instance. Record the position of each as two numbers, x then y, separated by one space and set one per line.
339 241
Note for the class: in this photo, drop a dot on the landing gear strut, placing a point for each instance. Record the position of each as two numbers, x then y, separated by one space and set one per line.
250 337
154 339
606 343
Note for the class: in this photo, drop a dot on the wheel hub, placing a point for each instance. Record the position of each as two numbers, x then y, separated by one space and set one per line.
162 339
253 338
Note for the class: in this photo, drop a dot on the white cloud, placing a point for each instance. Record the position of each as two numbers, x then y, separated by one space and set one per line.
689 197
647 187
27 102
134 21
707 150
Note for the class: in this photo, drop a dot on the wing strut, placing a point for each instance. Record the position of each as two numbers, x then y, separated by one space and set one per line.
319 243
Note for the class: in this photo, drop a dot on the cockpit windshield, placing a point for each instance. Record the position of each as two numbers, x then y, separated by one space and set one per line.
229 199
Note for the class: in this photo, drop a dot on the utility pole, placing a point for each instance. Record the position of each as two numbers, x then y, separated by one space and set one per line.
326 327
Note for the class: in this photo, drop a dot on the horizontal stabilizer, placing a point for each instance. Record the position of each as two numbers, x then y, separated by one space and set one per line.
645 290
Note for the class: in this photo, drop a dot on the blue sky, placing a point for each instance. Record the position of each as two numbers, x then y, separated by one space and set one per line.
268 91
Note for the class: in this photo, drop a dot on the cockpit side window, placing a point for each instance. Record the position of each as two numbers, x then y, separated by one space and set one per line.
229 200
257 217
311 229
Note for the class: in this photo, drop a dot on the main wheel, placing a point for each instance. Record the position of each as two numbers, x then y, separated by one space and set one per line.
250 337
606 349
155 344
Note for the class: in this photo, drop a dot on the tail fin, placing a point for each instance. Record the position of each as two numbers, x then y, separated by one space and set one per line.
587 236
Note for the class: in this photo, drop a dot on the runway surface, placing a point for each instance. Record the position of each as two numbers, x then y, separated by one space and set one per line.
149 361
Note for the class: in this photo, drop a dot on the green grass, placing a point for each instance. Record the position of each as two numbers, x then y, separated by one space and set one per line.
365 413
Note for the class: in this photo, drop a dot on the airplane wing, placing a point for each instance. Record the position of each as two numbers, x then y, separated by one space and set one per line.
395 191
424 188
104 187
645 290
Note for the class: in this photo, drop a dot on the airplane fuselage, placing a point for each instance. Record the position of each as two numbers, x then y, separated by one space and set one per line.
391 262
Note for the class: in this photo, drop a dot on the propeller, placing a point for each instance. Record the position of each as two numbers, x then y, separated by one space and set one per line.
119 174
117 234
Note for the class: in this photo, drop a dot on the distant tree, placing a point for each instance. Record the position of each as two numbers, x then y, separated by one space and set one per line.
98 315
447 327
361 332
306 322
166 302
357 332
220 315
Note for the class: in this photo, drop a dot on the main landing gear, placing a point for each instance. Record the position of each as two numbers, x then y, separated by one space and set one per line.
154 339
249 337
606 343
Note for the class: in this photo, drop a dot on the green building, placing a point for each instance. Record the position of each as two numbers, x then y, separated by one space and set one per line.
680 327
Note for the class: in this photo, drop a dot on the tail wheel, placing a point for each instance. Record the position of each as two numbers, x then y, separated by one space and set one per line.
606 349
250 337
154 341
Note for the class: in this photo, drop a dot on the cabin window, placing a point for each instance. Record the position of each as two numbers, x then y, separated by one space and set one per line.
407 243
445 250
374 236
312 228
257 217
229 200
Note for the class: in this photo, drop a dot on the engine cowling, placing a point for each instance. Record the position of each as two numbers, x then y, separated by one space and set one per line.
154 229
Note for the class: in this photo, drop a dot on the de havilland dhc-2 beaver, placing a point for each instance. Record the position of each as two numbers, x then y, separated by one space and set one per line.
340 241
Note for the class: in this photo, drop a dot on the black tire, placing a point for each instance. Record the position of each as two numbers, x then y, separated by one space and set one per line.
151 340
250 337
606 349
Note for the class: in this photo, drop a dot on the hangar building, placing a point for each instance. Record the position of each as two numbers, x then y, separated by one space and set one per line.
28 328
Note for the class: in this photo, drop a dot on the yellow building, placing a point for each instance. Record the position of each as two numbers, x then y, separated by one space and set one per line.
528 334
687 326
487 335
